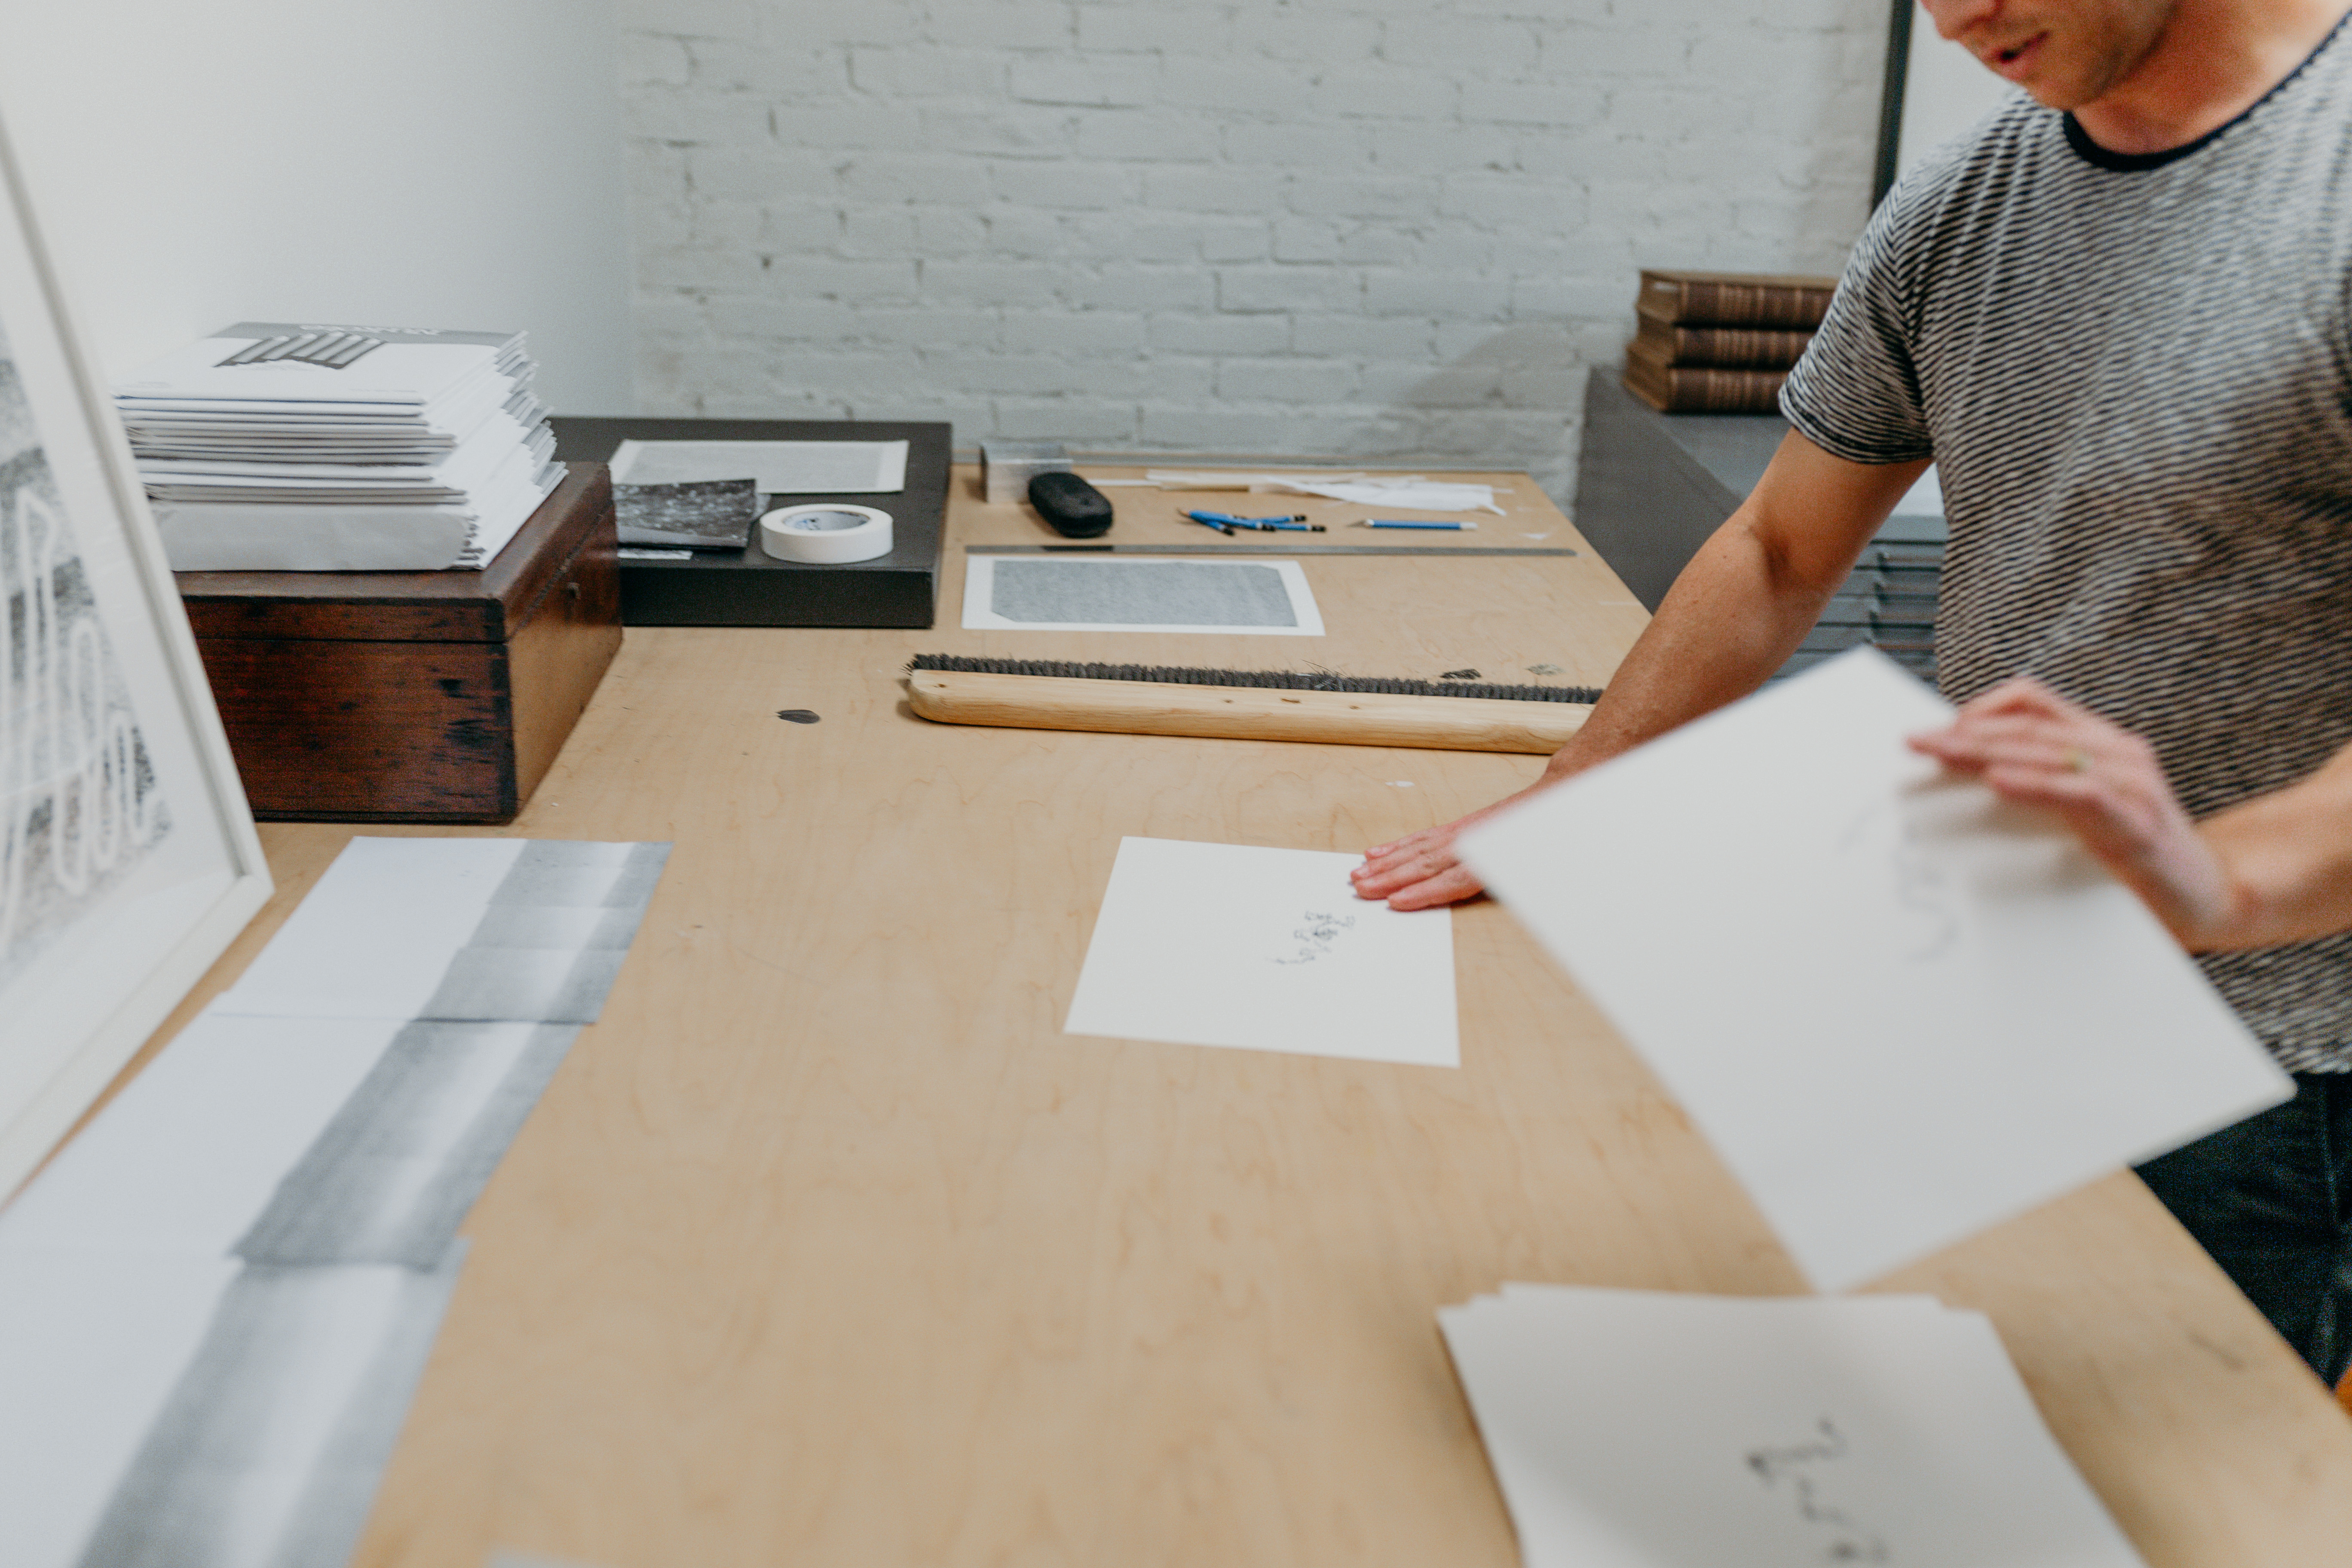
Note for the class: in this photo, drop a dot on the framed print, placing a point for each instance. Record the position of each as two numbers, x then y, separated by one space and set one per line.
128 858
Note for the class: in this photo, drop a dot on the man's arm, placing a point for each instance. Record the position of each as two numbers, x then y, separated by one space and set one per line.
2272 870
1733 616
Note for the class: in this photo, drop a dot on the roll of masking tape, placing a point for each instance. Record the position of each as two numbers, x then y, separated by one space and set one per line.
825 535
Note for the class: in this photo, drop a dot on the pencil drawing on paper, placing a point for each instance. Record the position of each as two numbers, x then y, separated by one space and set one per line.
79 805
1314 934
1927 920
1805 1470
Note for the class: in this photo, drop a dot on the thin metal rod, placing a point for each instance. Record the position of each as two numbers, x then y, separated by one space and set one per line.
1422 549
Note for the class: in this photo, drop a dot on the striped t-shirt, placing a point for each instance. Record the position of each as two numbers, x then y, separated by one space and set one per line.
2134 375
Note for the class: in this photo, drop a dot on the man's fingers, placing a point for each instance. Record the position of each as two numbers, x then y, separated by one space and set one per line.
1449 886
1378 881
1419 839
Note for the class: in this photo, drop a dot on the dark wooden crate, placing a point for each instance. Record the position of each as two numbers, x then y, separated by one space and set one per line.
749 587
415 695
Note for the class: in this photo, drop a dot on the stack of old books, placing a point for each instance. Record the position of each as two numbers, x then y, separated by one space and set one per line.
1720 343
278 446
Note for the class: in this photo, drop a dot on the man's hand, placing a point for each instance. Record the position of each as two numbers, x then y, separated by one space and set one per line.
1420 871
2034 747
1737 611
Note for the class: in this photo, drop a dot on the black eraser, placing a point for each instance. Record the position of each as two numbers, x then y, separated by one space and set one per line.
1074 508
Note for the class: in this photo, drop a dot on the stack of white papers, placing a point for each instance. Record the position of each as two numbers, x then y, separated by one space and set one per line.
1639 1430
275 446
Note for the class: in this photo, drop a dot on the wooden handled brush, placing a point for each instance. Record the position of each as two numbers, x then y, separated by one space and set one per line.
1247 705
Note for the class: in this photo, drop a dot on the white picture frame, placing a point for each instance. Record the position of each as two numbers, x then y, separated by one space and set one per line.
128 856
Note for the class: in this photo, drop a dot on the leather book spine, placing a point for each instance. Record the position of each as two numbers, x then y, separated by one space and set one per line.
1723 303
1722 348
1700 389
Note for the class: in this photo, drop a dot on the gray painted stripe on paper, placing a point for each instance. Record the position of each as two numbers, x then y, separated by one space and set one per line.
583 875
525 985
552 943
396 1173
215 1486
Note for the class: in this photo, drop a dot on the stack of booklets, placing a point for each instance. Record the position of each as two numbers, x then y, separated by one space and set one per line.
273 446
1720 343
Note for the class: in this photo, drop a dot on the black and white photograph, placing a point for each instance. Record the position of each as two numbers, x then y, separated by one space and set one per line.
128 858
79 802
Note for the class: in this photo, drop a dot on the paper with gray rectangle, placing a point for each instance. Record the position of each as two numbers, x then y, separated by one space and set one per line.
393 1176
289 1141
1139 594
91 1346
271 1449
189 1154
1900 1010
484 929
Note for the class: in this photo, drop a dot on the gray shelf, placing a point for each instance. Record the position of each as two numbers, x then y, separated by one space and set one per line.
1651 487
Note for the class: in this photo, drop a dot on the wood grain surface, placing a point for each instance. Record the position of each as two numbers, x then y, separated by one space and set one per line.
1244 712
827 1247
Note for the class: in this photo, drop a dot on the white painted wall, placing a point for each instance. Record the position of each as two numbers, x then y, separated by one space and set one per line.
429 162
1945 90
1346 226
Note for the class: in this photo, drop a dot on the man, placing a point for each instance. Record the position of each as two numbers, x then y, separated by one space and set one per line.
2118 317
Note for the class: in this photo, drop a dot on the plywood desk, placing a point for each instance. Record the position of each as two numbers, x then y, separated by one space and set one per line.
828 1247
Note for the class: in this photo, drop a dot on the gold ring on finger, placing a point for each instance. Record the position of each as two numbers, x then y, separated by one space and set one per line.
2078 760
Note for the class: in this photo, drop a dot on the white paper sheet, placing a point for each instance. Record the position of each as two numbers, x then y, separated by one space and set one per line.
1636 1429
1900 1011
1401 492
374 937
1246 598
779 467
1229 944
269 1450
454 928
286 1141
91 1346
190 1153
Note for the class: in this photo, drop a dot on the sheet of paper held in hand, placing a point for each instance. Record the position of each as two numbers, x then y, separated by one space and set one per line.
780 467
1900 1010
1228 944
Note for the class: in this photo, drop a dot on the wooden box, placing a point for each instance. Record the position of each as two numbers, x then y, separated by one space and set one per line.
415 695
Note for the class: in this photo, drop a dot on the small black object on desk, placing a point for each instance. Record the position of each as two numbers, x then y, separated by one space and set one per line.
1073 508
749 587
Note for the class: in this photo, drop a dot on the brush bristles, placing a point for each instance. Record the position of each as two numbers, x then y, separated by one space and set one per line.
1282 679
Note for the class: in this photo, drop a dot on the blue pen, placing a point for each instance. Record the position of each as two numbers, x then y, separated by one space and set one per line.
1214 517
1391 523
1215 520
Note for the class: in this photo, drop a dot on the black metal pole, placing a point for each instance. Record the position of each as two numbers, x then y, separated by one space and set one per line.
1890 102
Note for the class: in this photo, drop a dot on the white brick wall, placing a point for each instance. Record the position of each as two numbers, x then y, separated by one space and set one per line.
1361 228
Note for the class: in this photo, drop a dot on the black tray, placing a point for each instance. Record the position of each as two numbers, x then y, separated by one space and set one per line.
749 587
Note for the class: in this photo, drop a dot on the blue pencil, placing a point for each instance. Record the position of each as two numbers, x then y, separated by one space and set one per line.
1392 522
